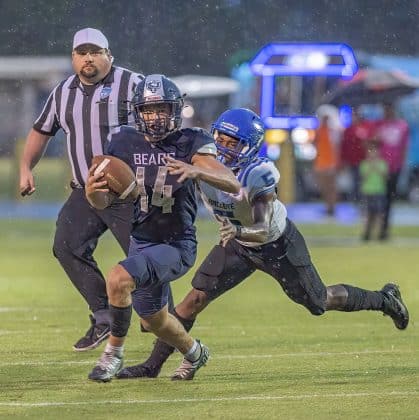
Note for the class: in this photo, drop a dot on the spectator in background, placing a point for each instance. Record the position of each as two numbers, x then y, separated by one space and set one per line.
373 174
393 135
325 165
352 151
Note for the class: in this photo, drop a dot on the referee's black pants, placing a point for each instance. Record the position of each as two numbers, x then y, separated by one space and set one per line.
78 228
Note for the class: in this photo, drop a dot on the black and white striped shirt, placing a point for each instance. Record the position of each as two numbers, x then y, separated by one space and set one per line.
88 115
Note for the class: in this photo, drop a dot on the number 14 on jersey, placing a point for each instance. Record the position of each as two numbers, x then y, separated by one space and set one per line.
162 194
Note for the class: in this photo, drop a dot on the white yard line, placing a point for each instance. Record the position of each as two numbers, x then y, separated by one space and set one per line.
28 309
223 357
394 394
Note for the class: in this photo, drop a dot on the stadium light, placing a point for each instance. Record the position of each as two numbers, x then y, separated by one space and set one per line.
294 59
263 65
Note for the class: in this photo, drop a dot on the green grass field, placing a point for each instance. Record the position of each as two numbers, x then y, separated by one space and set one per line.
270 358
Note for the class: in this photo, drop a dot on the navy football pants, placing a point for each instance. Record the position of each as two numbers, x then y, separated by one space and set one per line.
153 266
78 229
287 260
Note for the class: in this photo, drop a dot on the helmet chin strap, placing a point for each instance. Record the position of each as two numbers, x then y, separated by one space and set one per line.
166 124
155 138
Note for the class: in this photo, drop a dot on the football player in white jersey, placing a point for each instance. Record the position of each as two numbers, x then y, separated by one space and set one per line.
257 235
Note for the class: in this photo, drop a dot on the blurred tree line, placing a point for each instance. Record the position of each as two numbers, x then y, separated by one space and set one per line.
181 36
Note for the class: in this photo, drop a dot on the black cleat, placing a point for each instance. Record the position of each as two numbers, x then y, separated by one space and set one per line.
138 371
93 337
394 307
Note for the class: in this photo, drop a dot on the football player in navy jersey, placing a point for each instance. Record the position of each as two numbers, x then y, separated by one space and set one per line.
168 162
257 235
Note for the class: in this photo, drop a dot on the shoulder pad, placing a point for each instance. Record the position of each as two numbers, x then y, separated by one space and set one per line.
195 131
208 149
126 129
122 130
196 140
261 176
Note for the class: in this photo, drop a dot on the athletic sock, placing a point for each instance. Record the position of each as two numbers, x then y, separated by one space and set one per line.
116 350
194 352
361 299
187 323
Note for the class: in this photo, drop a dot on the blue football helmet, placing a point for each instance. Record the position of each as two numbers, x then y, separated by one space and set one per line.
246 127
152 91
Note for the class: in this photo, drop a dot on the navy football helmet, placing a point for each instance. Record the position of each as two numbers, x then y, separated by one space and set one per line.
246 127
150 97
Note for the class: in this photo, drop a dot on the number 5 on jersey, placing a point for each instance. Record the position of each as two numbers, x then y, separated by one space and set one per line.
162 194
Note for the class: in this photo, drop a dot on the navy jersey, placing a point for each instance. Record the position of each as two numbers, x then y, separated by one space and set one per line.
165 210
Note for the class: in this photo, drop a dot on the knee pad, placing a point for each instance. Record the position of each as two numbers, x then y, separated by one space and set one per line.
206 278
303 285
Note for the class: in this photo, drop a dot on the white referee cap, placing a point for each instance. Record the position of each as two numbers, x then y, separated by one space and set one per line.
90 36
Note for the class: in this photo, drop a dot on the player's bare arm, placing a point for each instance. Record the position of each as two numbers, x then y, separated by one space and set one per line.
35 146
205 168
97 192
262 209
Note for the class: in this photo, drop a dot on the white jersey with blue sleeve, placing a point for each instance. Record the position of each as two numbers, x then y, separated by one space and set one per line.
257 178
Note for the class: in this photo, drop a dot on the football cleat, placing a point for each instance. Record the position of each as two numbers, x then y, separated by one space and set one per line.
107 367
94 336
187 369
138 371
394 306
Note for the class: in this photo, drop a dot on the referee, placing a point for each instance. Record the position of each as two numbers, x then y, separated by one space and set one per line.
87 106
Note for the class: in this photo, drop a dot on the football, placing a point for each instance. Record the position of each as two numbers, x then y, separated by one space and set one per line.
120 177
